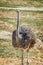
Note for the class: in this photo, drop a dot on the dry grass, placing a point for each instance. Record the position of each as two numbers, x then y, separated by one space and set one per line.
13 3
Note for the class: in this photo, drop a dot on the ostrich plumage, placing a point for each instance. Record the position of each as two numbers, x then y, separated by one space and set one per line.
26 38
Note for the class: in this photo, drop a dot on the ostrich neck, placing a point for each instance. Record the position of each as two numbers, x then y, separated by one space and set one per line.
18 23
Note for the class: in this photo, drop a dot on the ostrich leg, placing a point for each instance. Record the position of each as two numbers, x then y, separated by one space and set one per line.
27 56
22 57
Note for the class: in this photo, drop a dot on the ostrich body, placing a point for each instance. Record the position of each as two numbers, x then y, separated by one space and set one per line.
26 38
23 38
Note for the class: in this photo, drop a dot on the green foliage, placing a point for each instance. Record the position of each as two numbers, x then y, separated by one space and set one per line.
13 3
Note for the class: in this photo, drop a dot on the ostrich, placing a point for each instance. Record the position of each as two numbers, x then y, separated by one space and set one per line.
23 38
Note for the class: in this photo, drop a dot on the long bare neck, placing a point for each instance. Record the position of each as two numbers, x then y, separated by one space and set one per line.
18 22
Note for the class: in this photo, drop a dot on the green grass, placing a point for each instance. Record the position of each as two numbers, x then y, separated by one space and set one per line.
38 22
36 3
9 20
7 50
34 53
35 22
6 4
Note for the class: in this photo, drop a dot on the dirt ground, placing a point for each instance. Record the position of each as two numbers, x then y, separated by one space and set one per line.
17 61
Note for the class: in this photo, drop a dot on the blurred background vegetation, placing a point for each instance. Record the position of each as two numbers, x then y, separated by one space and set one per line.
16 3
